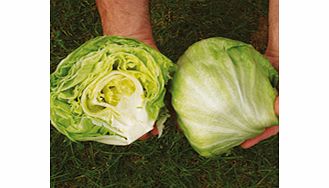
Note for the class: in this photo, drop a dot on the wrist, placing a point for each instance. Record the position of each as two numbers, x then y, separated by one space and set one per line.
272 50
129 18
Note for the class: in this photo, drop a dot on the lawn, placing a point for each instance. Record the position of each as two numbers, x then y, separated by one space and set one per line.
168 161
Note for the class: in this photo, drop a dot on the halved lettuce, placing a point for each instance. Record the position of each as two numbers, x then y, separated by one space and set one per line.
110 90
223 93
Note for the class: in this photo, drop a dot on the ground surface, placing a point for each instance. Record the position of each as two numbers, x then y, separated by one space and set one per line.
168 161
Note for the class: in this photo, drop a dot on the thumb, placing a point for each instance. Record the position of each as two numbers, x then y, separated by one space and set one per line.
276 105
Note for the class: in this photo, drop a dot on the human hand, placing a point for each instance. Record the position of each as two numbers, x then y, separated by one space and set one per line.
273 57
272 53
129 18
271 131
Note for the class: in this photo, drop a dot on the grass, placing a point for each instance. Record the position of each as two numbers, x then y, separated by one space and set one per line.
168 161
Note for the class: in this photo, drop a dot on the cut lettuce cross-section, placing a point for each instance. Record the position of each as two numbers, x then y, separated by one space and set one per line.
110 90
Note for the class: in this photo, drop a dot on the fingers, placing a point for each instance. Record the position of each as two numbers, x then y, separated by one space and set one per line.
153 132
271 131
144 137
248 143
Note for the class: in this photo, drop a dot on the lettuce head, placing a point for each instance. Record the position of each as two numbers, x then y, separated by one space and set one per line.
223 93
110 90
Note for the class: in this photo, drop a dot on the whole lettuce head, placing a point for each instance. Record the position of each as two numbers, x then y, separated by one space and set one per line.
109 90
223 93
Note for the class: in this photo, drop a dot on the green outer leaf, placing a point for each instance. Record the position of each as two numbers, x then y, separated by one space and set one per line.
223 95
110 89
